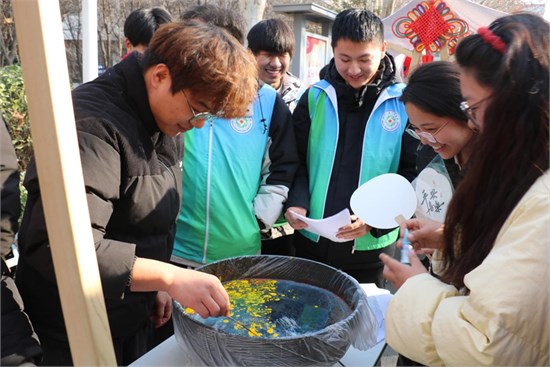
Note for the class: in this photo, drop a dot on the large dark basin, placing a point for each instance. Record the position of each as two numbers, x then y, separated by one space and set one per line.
333 310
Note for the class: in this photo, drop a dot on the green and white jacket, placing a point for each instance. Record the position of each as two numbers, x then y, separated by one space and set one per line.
236 177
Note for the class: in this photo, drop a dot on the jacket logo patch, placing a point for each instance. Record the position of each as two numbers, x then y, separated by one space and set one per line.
242 125
390 120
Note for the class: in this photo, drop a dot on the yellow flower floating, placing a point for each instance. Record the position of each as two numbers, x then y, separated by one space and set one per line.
252 312
250 299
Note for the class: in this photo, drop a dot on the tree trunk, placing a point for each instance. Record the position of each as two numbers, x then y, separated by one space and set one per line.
252 10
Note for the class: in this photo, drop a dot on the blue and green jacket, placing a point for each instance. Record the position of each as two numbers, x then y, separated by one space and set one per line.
342 143
381 149
236 177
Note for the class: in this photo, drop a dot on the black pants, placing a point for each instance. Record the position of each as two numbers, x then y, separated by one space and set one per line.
404 361
364 266
19 342
279 246
127 349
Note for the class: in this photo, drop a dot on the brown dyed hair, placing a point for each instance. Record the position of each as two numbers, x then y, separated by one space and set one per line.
207 60
512 149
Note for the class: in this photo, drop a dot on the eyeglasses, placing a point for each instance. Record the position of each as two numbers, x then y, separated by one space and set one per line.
470 111
197 116
425 135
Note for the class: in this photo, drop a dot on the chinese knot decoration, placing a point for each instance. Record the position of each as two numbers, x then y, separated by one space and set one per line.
429 26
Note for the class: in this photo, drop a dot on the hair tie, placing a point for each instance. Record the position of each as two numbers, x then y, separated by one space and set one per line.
492 39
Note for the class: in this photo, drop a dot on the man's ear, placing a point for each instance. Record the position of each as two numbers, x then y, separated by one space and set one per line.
160 75
128 44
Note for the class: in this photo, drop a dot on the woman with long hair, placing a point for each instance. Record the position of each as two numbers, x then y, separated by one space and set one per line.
488 307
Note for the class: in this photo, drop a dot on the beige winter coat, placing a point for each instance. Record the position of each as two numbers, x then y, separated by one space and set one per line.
504 320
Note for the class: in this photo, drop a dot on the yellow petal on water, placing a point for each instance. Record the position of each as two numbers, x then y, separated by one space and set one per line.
189 311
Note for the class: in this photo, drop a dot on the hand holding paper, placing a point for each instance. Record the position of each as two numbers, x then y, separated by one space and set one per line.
326 227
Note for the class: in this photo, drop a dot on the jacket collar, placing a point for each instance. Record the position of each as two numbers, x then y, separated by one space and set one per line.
136 91
353 98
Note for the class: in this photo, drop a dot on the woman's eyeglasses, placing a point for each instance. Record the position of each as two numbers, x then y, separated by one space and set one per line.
417 134
197 116
470 111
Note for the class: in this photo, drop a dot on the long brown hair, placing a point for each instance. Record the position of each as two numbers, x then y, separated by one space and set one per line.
512 150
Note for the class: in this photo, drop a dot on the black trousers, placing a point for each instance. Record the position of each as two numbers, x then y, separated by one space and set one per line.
127 349
364 266
19 342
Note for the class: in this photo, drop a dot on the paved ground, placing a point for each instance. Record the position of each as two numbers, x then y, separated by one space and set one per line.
389 358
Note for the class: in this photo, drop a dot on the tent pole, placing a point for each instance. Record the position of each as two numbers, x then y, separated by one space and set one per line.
42 49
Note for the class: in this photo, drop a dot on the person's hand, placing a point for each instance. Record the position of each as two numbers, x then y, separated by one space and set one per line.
162 311
425 235
292 220
397 273
356 229
202 292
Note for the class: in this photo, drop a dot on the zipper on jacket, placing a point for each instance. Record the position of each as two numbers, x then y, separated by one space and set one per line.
208 176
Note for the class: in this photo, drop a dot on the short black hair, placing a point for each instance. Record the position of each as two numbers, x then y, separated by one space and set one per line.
140 25
225 18
271 35
357 25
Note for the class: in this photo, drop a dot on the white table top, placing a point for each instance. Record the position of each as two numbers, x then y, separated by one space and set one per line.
169 353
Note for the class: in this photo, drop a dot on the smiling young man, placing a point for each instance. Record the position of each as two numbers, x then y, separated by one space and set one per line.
272 43
128 123
349 128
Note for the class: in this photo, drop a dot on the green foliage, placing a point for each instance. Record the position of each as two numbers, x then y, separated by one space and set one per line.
13 106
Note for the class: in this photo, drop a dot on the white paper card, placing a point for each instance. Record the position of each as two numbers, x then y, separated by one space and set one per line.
327 227
434 192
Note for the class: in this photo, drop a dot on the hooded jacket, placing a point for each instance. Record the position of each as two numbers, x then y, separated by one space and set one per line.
132 176
291 90
354 108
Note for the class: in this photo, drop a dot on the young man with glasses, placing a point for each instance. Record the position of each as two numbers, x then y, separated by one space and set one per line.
128 124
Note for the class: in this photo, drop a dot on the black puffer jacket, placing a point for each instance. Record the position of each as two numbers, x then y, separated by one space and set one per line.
132 174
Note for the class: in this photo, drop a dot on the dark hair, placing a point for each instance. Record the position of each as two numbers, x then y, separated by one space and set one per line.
435 89
140 25
512 149
207 60
357 25
271 35
226 18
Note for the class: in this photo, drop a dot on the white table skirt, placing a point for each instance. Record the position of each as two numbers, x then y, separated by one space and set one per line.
169 353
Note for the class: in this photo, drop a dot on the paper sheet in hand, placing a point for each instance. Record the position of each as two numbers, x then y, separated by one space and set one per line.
327 227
